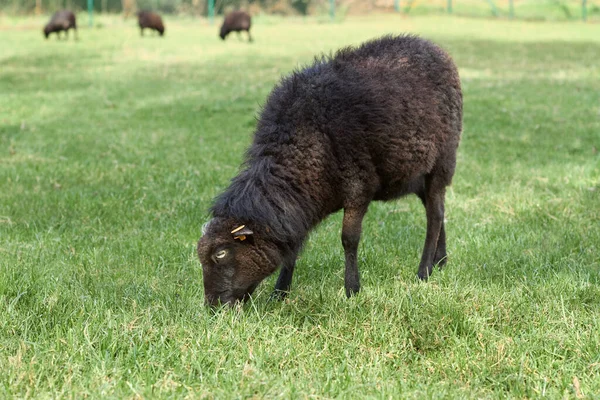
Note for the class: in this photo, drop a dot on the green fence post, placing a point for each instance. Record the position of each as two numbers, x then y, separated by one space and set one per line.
397 5
584 10
449 6
332 9
90 4
494 9
511 9
211 11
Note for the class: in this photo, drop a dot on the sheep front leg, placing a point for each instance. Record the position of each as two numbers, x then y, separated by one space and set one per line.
351 230
434 210
284 281
440 257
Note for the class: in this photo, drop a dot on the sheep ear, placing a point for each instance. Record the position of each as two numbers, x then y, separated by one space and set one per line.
205 226
242 233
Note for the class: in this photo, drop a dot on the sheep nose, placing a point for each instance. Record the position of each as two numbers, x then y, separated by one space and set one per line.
219 300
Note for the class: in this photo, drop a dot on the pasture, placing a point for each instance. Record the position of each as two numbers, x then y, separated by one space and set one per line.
112 147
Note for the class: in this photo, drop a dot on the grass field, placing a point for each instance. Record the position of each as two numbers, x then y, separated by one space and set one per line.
112 147
533 10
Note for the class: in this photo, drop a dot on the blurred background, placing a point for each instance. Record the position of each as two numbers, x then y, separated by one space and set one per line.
537 10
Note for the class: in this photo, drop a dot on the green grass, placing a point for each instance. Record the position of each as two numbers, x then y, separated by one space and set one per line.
111 149
535 10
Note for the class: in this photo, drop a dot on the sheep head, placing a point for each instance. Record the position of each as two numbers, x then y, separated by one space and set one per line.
234 260
223 32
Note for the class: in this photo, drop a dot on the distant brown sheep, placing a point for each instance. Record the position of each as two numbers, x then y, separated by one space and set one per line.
375 122
236 21
150 20
62 20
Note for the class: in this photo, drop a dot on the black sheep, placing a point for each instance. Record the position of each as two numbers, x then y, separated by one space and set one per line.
236 21
62 20
375 122
150 20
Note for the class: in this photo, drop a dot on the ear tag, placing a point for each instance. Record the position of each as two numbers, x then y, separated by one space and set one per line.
239 228
241 233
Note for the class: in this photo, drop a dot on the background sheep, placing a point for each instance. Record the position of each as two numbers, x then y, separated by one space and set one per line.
373 123
150 20
236 21
62 20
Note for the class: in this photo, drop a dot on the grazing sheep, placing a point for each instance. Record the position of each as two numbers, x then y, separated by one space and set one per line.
375 122
236 21
62 20
150 20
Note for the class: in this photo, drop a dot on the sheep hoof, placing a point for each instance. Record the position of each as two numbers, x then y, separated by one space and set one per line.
278 295
440 260
424 275
352 291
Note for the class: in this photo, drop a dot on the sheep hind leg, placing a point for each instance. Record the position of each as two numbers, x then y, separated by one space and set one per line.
351 230
284 281
440 256
249 36
435 190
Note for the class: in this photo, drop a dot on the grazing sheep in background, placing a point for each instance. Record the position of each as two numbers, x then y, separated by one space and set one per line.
375 122
150 20
62 20
236 21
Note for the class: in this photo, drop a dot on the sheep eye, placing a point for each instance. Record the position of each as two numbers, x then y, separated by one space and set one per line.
221 254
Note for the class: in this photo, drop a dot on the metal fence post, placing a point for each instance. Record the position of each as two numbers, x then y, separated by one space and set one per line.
584 10
90 5
449 6
332 9
397 5
511 9
211 11
494 9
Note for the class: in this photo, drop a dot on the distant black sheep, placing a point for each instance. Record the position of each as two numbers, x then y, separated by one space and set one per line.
150 20
375 122
236 21
62 20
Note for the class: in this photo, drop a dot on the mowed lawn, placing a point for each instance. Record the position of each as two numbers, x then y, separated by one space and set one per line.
112 147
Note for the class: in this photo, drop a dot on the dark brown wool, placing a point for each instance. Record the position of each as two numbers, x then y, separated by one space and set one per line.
236 21
375 122
150 20
62 20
